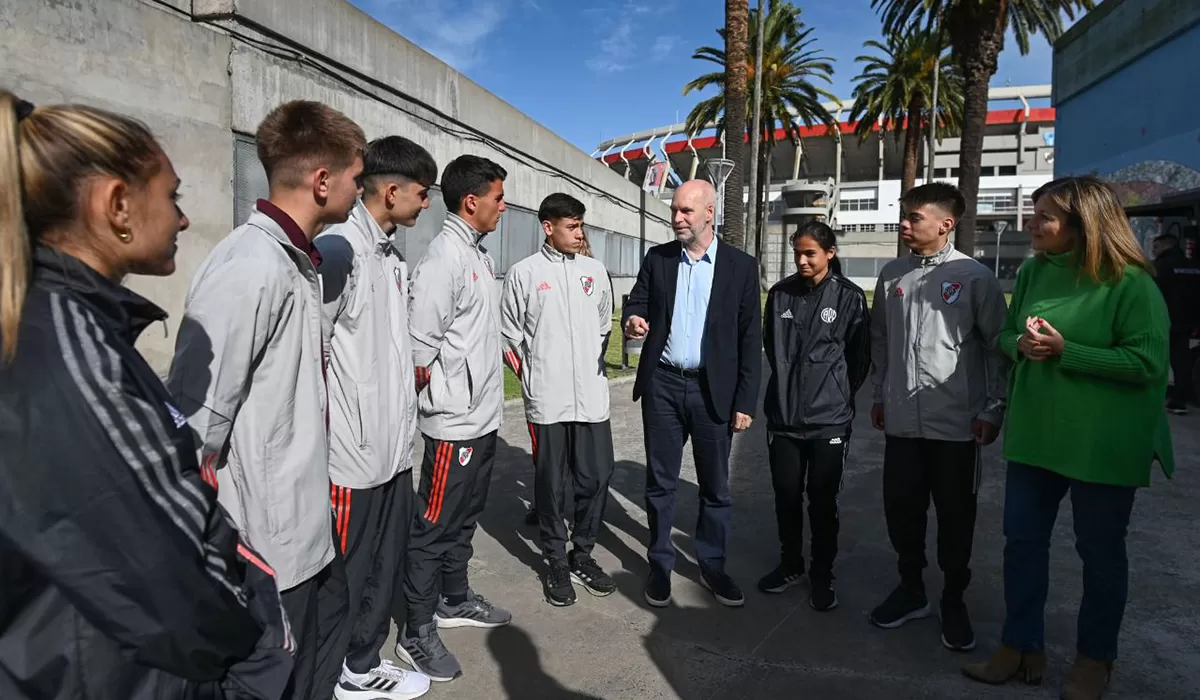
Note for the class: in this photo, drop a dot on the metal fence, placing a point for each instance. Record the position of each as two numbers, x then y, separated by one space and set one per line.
519 235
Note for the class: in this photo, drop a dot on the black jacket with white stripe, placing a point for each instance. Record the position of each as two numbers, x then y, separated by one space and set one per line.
120 575
818 349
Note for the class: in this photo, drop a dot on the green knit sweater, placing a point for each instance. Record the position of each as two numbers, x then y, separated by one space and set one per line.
1095 413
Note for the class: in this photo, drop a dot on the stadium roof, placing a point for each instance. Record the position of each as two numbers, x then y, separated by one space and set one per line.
624 143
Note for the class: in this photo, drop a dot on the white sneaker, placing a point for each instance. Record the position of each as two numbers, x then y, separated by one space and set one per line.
384 682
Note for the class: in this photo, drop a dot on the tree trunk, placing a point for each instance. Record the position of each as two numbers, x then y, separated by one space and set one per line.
912 152
764 191
977 32
737 23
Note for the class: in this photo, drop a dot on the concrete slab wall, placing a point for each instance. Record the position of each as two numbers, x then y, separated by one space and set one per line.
197 72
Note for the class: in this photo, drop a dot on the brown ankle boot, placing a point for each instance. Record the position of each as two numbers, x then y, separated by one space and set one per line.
1087 679
1007 663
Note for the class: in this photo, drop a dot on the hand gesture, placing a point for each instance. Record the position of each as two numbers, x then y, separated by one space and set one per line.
741 422
985 433
877 416
636 328
1049 337
1030 343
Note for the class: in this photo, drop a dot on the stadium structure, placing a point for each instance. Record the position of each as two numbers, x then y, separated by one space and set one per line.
855 186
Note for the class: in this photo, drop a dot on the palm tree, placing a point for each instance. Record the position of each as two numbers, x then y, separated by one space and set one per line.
976 29
737 19
896 87
791 66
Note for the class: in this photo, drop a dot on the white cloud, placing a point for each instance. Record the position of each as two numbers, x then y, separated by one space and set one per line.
665 45
452 30
616 50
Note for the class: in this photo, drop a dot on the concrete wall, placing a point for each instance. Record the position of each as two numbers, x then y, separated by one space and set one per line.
1127 97
196 73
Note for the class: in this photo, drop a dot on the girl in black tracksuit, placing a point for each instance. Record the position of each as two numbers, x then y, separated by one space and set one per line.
816 332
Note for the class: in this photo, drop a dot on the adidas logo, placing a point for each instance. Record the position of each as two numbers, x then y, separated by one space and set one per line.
786 314
835 441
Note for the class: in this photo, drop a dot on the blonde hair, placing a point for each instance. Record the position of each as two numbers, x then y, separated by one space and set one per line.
45 158
586 248
1105 245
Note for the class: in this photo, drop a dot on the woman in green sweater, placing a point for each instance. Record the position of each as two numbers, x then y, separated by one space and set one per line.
1087 333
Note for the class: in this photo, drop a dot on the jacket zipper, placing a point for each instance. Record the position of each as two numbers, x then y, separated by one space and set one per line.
571 336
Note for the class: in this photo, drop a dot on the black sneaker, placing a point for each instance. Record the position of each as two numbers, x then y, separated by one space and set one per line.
1178 408
557 585
822 598
426 653
902 605
957 634
658 589
780 580
587 573
724 589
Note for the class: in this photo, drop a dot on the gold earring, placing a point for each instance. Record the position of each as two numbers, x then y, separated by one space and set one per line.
125 235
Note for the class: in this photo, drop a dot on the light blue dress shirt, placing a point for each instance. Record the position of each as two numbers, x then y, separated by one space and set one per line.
692 291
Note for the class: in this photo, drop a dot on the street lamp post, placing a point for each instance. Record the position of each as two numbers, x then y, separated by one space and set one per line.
718 173
1001 226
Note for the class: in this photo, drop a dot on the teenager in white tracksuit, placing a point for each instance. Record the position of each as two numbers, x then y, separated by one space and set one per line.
455 334
373 406
939 384
249 374
556 313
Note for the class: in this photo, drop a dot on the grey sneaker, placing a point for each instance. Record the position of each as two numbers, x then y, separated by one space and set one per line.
475 611
426 653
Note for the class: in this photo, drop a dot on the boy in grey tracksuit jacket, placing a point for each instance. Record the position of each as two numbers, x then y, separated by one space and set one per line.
455 336
556 312
373 406
939 388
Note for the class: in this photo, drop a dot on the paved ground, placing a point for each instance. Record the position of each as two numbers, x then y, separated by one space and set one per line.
777 647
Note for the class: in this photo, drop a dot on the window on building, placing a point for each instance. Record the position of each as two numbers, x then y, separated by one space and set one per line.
953 172
891 228
996 202
940 173
987 171
859 200
1007 170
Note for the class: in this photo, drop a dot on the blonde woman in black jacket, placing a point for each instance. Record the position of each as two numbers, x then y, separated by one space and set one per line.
120 576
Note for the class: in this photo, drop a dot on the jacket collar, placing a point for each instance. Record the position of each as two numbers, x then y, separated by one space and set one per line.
289 228
553 253
936 259
127 312
373 234
460 229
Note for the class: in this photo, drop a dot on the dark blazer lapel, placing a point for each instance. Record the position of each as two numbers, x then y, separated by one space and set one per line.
721 288
672 279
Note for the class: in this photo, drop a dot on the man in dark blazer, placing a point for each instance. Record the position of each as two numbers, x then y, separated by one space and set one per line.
696 305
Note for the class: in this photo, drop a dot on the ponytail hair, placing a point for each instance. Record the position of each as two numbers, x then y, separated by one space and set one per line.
821 232
46 156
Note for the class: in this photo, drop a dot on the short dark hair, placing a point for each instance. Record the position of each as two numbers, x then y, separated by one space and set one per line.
301 135
396 156
1167 237
560 206
942 194
468 175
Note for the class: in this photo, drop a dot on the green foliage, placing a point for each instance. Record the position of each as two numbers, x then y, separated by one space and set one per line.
792 68
897 81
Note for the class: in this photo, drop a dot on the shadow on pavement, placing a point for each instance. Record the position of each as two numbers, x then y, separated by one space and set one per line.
521 670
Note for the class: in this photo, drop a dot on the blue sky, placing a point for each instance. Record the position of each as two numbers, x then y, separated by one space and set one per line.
596 69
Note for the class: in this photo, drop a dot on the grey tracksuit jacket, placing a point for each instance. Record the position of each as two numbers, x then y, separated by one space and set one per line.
455 334
248 374
937 365
372 396
556 311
